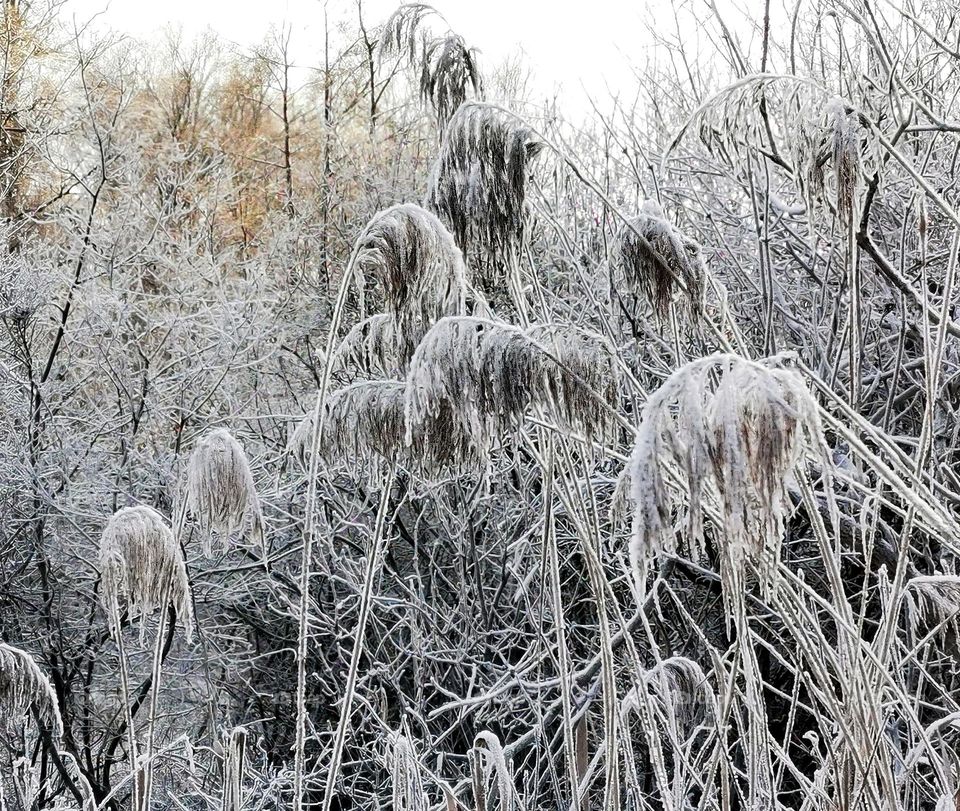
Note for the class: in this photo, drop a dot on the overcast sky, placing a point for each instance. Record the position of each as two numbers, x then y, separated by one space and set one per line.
569 44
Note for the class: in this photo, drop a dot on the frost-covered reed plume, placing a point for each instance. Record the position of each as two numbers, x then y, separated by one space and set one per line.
682 695
837 145
580 377
420 268
734 428
487 760
482 377
676 704
368 350
141 563
932 601
405 779
403 32
363 423
448 69
24 687
478 184
234 759
220 491
657 259
449 73
844 146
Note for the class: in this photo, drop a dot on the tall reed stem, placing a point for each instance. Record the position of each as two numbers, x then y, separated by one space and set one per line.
374 556
303 630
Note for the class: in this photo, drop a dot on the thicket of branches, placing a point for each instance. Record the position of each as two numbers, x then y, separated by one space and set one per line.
374 437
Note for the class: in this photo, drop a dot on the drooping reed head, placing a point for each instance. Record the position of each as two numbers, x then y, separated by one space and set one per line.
680 699
488 760
581 377
403 30
478 184
658 260
932 601
728 427
420 268
442 398
844 148
140 562
25 688
363 424
448 69
448 72
368 350
485 376
682 692
221 494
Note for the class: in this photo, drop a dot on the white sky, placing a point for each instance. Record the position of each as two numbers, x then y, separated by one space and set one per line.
569 45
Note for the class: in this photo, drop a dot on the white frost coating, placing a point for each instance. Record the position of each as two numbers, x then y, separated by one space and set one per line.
141 562
471 379
421 270
738 428
845 154
220 491
23 687
653 255
405 779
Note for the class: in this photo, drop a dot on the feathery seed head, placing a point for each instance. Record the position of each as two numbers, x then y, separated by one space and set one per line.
733 428
420 268
403 30
484 376
220 490
654 256
449 70
478 184
140 561
369 349
363 422
932 600
845 153
25 687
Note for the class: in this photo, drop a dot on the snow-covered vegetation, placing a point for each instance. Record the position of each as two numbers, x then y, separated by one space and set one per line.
384 440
